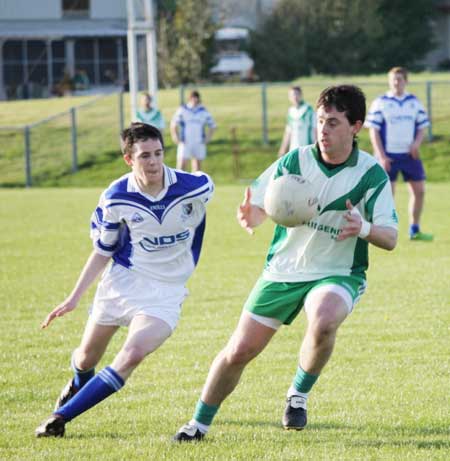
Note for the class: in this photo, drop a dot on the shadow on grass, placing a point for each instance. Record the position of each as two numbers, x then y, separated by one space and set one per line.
383 436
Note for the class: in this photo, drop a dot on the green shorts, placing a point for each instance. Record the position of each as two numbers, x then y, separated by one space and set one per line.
284 300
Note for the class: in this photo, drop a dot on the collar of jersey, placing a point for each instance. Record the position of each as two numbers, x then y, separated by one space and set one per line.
169 179
351 161
401 98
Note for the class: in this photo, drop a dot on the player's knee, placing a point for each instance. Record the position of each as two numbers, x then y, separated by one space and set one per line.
240 353
85 360
132 356
323 327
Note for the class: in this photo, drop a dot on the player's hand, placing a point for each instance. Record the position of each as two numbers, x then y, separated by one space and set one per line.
386 163
414 151
354 222
66 306
244 212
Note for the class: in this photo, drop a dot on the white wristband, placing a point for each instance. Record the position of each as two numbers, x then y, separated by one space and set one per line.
365 225
365 229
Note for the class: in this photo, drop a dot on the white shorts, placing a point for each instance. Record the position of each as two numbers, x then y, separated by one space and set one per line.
188 151
122 294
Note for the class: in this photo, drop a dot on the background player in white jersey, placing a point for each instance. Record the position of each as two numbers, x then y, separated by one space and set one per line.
150 222
301 123
397 122
149 114
192 128
320 265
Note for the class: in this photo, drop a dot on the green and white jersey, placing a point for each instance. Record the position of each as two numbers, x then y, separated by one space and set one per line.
311 252
301 123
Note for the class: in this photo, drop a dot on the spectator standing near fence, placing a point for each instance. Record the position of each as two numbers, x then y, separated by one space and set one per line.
191 128
149 114
397 122
301 123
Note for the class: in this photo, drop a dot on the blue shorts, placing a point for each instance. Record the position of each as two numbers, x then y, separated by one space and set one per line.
410 168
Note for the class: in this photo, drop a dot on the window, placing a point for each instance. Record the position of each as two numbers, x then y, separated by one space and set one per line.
75 8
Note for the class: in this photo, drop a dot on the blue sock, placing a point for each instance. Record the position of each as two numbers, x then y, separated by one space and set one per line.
81 377
413 229
105 383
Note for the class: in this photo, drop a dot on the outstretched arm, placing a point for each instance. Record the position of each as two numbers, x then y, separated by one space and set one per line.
380 236
94 265
248 215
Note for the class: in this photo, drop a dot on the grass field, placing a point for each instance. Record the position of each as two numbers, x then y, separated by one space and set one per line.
232 106
384 395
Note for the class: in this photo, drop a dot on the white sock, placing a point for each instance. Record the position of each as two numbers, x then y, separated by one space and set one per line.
203 428
292 391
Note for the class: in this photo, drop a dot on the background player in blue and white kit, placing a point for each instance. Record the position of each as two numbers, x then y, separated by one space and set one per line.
397 122
192 128
319 266
150 223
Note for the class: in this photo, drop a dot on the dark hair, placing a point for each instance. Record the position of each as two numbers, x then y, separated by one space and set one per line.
194 94
296 88
345 98
138 132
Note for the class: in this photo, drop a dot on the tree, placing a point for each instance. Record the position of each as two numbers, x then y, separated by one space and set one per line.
405 34
185 39
302 37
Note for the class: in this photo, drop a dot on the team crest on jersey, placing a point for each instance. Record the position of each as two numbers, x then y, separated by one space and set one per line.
186 210
137 218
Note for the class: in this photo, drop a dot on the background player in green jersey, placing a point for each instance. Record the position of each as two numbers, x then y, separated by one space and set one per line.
319 266
301 125
149 114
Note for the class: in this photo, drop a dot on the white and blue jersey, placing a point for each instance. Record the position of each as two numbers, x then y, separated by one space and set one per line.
192 122
157 237
397 119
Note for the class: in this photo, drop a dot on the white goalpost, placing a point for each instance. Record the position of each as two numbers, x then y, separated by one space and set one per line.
141 22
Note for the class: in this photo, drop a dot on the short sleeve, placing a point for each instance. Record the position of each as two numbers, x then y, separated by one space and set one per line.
105 228
422 118
379 202
375 116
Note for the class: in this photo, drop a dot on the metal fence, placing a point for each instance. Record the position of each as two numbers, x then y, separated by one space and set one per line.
61 144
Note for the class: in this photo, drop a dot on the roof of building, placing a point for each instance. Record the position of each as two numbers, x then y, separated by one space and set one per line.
62 28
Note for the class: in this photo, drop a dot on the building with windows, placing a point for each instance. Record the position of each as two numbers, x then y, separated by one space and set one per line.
48 47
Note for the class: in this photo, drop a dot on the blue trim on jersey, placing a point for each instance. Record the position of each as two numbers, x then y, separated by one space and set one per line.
383 132
110 225
182 130
135 206
374 122
400 102
123 255
198 240
186 187
106 247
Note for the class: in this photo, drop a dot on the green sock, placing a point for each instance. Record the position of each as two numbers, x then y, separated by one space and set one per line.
303 381
205 413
